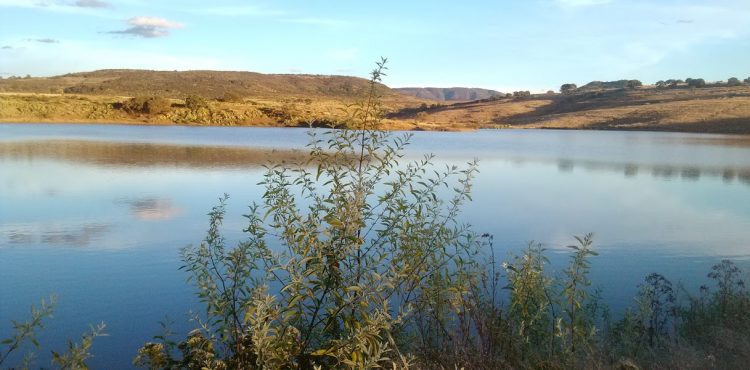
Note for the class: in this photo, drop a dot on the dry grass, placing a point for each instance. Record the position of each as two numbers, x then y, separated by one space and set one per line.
297 100
717 109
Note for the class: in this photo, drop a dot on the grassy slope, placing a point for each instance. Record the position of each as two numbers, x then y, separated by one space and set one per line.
717 109
292 100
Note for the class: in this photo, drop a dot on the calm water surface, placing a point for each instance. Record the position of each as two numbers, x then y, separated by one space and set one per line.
96 214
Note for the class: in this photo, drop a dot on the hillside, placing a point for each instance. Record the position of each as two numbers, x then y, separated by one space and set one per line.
180 84
254 99
449 94
228 98
716 109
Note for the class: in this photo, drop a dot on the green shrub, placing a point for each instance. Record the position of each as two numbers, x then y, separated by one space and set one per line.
147 105
733 81
196 103
350 248
696 82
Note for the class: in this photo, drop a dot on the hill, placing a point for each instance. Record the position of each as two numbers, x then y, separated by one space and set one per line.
180 84
254 99
716 109
449 94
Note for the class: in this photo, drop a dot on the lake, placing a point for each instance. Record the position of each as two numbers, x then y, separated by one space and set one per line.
96 214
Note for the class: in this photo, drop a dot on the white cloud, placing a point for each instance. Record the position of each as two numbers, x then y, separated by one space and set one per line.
92 4
148 27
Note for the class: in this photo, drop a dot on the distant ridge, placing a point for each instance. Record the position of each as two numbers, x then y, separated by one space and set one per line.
449 93
209 84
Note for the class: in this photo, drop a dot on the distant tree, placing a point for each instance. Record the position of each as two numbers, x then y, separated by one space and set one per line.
733 81
633 84
672 83
147 105
747 80
661 83
568 88
195 102
27 77
550 92
695 82
521 94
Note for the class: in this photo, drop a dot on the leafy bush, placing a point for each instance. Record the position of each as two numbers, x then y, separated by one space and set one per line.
695 82
733 81
350 251
633 84
74 358
196 103
147 105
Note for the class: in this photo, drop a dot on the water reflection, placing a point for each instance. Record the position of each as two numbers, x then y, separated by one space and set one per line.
658 171
105 153
57 236
153 209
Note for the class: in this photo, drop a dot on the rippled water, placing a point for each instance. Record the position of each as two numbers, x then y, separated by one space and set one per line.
96 214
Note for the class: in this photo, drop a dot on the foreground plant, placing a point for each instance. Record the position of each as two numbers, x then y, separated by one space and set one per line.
341 252
74 358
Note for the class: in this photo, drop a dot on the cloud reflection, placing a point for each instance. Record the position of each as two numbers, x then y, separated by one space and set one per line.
153 209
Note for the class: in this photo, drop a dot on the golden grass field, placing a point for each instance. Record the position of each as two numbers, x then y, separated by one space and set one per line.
300 100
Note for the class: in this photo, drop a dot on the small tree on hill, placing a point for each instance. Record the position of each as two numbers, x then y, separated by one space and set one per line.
673 83
195 102
747 80
147 105
568 88
633 84
733 81
695 82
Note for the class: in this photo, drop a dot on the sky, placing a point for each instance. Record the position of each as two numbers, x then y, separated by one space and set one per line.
505 45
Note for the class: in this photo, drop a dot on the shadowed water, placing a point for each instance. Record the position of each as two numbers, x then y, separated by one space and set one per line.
97 214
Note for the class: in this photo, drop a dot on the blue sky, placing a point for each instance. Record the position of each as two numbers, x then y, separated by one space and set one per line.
505 45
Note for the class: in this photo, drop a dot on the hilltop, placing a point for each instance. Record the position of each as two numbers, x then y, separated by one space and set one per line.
180 84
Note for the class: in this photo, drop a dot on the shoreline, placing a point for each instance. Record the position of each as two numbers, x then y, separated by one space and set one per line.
394 129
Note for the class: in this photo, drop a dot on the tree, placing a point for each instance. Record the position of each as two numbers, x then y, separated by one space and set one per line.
695 82
633 84
196 102
661 83
147 105
568 88
747 80
733 81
